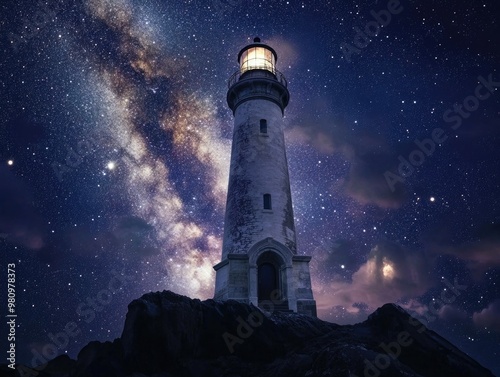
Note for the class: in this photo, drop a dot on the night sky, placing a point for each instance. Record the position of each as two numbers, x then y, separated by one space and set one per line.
115 142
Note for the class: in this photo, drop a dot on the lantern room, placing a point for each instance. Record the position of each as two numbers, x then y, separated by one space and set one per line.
257 56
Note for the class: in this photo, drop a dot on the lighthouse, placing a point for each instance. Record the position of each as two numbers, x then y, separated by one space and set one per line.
260 264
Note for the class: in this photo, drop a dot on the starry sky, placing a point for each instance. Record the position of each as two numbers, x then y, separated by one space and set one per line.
115 141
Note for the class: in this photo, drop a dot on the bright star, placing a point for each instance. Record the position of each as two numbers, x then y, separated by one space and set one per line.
111 165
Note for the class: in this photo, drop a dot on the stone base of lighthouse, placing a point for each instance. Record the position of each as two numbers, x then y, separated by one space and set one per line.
270 276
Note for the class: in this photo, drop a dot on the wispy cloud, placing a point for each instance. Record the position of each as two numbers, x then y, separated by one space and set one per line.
488 318
368 155
391 273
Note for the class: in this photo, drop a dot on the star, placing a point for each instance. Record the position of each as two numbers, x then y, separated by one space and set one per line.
129 102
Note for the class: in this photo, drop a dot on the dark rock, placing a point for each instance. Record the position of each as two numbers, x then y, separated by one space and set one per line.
60 366
168 335
100 359
5 371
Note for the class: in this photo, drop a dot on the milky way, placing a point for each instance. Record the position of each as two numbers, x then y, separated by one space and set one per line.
124 88
115 146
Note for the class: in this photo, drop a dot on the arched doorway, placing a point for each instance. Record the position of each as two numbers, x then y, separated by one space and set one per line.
271 280
267 281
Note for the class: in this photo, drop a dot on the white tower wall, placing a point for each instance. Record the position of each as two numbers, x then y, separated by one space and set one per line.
259 254
258 167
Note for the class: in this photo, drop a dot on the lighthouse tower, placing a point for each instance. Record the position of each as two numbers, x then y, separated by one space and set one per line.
259 263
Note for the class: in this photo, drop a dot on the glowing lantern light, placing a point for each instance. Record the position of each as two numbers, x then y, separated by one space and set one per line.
257 56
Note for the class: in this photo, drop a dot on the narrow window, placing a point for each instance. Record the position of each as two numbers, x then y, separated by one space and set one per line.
267 201
263 126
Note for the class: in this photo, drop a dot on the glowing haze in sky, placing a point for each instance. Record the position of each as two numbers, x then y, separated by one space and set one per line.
115 142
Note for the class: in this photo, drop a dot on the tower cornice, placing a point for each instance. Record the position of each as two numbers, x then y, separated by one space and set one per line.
258 84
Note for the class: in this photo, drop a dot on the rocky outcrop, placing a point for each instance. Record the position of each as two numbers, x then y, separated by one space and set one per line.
168 335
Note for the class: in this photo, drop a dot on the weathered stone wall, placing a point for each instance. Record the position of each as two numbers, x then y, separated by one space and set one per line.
302 283
258 166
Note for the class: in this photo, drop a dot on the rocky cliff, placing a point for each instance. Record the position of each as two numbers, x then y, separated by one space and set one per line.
168 335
